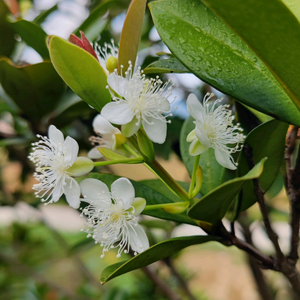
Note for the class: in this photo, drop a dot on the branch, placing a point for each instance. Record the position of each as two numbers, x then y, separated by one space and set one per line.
179 278
162 285
293 183
265 261
259 193
256 271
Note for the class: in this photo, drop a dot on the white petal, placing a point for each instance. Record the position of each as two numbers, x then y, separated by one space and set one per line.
70 148
197 148
117 113
102 126
194 107
131 128
72 192
117 83
135 88
138 239
94 153
165 105
202 135
224 159
93 189
123 189
57 192
191 136
55 135
156 130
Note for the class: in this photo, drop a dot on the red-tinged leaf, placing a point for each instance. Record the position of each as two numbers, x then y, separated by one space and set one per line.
87 45
76 41
131 34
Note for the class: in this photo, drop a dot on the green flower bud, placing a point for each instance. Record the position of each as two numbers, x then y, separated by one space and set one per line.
111 64
81 166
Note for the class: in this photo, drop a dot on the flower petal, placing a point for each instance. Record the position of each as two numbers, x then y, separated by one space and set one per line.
94 153
139 205
197 148
117 112
194 107
138 239
102 126
72 192
131 128
117 83
165 105
70 148
224 159
57 191
191 136
56 136
123 189
93 189
156 129
202 135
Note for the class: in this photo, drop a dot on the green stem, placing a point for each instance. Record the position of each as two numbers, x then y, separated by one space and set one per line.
135 160
196 164
159 206
131 150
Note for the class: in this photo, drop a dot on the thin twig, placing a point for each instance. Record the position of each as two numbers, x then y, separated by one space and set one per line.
179 278
261 283
162 285
259 193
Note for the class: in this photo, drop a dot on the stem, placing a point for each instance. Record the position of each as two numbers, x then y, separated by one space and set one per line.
168 180
159 206
259 193
135 160
193 180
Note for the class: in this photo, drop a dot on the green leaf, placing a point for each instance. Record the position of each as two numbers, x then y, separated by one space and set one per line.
7 40
33 35
94 25
131 34
213 173
36 89
214 53
212 207
153 254
42 16
272 31
152 197
170 65
266 140
81 72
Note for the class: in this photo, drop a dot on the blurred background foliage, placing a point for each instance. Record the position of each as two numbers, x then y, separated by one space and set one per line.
43 254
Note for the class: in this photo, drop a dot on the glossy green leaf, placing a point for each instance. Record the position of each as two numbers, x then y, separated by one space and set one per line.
272 31
7 40
213 173
36 89
266 140
214 53
213 206
170 65
131 34
153 254
152 197
94 24
33 35
81 72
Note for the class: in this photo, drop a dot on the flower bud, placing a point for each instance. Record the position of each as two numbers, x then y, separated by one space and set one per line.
175 208
111 64
81 166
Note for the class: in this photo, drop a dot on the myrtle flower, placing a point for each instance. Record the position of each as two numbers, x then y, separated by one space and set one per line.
112 217
56 161
107 55
139 101
214 129
107 136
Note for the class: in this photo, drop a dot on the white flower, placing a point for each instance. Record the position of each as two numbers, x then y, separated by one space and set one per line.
113 216
56 161
107 136
214 129
139 101
105 53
